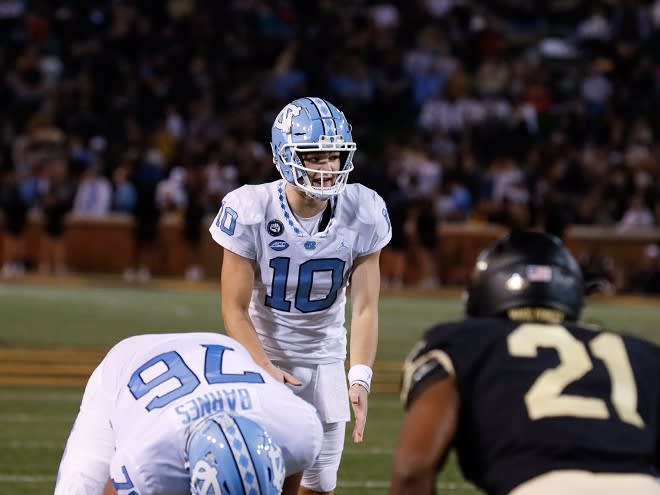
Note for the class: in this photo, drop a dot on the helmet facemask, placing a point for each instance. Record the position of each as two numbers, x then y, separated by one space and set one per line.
332 183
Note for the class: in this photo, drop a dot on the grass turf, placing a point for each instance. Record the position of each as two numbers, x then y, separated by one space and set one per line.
42 325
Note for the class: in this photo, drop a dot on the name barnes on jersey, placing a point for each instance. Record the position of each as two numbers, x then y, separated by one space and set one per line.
234 400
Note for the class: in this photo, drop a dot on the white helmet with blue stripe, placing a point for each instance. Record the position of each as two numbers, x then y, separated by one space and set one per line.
233 455
312 124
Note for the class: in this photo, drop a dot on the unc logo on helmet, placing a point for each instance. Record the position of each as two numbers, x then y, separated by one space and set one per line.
233 454
205 477
312 124
285 117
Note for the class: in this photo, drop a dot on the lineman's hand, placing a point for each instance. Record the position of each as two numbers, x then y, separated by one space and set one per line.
281 375
360 404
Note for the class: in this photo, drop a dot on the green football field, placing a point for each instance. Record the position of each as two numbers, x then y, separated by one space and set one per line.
51 337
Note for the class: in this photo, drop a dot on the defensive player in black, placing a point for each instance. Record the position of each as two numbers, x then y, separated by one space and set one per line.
533 402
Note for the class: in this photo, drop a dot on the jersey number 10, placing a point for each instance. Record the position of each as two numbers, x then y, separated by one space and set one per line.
545 398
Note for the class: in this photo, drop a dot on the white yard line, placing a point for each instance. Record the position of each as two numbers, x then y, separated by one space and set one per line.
35 418
367 451
40 397
34 444
17 478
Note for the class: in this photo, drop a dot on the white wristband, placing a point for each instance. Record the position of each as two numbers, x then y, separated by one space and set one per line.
360 374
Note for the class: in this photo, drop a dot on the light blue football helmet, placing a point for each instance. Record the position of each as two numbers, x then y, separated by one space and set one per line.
312 124
233 455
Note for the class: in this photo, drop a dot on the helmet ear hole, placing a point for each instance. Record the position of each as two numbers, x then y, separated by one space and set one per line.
344 158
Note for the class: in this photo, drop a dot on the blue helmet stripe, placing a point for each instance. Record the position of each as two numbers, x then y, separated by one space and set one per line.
238 446
330 123
321 109
326 116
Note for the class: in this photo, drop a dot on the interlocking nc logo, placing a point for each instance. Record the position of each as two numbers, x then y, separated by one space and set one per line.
284 120
204 479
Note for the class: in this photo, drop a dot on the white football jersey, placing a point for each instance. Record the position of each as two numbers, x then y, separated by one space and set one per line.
147 393
299 294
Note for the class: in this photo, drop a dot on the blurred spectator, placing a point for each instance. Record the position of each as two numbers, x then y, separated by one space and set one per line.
393 256
124 196
492 77
196 206
146 177
596 89
453 203
647 278
422 230
598 268
15 210
596 27
55 203
94 194
637 216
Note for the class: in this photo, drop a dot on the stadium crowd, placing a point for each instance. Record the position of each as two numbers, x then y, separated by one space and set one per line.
521 113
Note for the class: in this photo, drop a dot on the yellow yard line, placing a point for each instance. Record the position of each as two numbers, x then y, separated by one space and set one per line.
46 381
45 369
59 366
51 354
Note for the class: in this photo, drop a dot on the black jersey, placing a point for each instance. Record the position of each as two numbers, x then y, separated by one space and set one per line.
538 397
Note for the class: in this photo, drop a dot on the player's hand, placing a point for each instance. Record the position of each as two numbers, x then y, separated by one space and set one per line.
360 403
282 376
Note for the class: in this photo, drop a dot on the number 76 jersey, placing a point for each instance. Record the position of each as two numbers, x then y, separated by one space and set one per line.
299 292
539 397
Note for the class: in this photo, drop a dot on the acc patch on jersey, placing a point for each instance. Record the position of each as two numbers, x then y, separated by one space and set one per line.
278 244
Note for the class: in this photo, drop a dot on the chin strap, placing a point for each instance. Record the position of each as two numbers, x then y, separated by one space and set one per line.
327 214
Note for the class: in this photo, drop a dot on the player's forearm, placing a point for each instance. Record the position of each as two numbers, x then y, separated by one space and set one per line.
364 338
417 483
239 326
364 316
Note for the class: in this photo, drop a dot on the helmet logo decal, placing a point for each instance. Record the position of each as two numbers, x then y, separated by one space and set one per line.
274 453
539 273
206 475
275 228
284 120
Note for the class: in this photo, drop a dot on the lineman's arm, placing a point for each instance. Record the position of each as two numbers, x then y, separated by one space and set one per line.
236 284
109 488
425 438
85 465
291 484
365 290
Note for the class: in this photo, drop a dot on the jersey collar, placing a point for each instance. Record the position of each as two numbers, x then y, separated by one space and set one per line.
291 219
